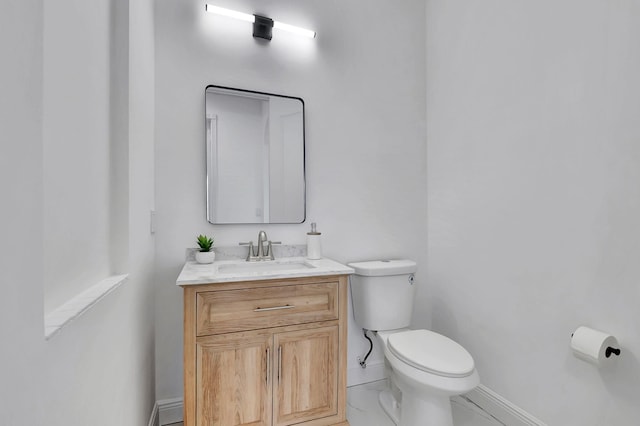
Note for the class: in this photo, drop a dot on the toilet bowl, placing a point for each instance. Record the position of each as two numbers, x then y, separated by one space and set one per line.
427 368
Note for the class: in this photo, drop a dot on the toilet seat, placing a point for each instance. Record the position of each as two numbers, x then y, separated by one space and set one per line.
431 352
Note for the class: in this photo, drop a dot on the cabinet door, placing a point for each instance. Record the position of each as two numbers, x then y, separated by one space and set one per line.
306 382
233 379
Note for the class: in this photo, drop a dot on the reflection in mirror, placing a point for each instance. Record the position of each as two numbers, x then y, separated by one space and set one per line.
255 157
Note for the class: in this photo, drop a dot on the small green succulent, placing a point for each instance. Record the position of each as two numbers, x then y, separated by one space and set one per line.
205 243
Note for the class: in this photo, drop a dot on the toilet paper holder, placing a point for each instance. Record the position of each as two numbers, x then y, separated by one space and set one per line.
609 351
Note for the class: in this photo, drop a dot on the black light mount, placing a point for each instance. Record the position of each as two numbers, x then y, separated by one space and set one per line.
263 27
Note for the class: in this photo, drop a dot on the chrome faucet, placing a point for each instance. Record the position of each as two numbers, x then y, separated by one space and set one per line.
262 238
252 256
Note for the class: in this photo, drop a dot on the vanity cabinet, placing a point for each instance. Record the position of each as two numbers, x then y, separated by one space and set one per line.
266 352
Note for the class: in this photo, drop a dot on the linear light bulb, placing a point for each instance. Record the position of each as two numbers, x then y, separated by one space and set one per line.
293 29
230 13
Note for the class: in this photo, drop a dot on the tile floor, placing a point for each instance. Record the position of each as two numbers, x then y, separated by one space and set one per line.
363 409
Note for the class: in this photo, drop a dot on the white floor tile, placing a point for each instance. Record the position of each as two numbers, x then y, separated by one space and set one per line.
363 408
466 413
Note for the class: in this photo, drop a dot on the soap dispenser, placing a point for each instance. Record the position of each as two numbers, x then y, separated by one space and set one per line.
314 249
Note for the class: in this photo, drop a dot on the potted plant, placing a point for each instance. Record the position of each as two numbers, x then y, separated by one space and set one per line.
206 253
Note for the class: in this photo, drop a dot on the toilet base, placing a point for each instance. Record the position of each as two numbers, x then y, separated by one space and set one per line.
434 410
431 411
390 406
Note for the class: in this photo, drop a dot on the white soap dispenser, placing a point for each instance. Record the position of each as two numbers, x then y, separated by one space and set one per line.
314 248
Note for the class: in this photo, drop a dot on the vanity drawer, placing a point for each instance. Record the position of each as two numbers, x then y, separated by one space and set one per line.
229 311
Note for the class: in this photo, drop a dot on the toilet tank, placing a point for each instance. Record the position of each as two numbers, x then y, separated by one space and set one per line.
382 293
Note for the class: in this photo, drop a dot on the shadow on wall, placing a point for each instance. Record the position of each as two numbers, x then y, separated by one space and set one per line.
622 377
443 321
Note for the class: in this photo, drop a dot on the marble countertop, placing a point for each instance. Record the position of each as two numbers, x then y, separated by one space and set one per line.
222 271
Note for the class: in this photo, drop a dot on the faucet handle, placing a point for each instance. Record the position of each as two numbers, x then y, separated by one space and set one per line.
270 249
251 254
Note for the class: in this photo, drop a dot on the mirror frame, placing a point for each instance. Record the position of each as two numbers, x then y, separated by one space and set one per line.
304 157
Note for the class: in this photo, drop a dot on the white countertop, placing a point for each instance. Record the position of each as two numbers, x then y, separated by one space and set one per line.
240 270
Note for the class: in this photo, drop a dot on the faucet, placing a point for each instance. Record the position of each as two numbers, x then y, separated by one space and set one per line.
252 256
262 238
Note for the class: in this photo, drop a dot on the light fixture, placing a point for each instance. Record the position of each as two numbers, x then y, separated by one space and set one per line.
262 26
292 29
230 13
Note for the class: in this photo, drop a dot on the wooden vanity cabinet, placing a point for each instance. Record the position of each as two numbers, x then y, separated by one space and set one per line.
268 352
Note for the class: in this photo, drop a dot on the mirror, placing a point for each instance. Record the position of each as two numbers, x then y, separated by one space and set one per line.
255 157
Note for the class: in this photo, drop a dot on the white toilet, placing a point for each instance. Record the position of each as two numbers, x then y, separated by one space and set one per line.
428 368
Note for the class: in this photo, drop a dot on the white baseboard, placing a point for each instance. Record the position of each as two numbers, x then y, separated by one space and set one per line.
170 411
502 409
373 373
154 420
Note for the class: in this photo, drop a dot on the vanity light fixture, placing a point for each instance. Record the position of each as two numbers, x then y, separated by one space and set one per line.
230 13
262 26
293 29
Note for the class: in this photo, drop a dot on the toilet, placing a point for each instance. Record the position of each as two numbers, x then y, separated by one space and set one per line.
426 368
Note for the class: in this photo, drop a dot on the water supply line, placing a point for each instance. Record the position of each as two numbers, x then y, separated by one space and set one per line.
363 362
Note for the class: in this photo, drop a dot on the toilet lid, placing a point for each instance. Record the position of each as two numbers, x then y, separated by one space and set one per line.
431 352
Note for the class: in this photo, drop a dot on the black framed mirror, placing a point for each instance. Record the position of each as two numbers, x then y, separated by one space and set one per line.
255 157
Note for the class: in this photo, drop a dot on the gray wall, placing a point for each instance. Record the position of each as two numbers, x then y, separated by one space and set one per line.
364 93
534 196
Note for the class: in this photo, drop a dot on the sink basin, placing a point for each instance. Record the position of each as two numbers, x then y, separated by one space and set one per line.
268 266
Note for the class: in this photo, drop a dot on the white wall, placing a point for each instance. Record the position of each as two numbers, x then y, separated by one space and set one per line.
98 370
21 162
364 94
77 136
534 196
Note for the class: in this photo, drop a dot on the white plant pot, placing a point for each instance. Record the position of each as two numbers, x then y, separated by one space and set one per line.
205 256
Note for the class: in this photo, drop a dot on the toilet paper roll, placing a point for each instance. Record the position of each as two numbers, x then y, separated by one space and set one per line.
594 346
